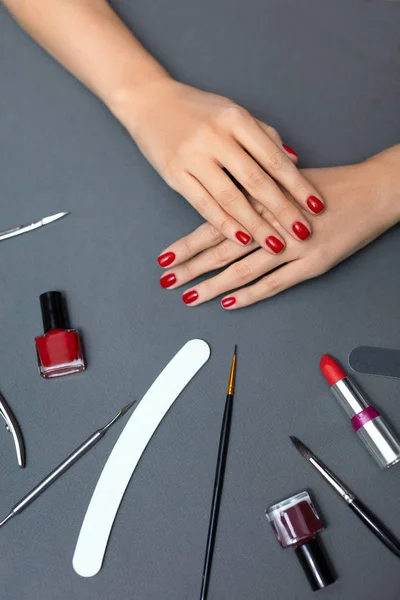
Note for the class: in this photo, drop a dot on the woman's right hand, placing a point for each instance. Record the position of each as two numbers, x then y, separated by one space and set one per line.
193 138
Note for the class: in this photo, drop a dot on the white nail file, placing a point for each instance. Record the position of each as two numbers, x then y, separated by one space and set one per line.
121 464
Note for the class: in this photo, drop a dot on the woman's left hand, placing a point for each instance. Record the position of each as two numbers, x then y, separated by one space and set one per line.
364 201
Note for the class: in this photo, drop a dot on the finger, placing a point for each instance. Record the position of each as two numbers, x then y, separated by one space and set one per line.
211 259
282 279
264 189
205 236
274 135
276 162
200 198
240 273
234 202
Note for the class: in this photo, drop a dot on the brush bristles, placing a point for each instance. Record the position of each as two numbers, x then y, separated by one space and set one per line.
300 447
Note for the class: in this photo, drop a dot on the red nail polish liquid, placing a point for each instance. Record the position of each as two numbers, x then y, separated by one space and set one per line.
59 350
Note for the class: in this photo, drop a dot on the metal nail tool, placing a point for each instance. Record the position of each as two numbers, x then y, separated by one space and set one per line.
64 466
8 233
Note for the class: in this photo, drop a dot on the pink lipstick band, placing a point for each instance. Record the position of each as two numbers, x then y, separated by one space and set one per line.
363 417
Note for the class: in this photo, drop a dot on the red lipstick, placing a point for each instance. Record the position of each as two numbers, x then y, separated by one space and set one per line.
59 350
331 370
376 435
297 525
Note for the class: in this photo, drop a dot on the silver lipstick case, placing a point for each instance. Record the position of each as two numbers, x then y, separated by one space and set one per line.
376 435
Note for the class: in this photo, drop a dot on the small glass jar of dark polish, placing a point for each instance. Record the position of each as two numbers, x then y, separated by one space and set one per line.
297 524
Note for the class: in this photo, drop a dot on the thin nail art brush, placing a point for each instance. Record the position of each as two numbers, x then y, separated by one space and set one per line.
363 512
219 479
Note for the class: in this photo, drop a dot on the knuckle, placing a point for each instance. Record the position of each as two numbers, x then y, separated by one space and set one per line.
254 180
320 261
286 213
233 113
229 196
272 132
170 173
213 233
242 271
187 247
278 161
272 285
255 227
189 271
249 296
301 189
220 255
202 203
225 226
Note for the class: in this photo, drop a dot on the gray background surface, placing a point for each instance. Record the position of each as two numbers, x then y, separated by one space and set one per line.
327 75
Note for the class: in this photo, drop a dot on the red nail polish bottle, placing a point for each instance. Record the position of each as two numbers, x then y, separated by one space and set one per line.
59 350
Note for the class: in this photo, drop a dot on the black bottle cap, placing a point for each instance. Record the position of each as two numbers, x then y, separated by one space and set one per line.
315 564
54 313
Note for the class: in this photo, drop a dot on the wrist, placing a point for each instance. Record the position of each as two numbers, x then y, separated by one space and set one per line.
127 101
384 168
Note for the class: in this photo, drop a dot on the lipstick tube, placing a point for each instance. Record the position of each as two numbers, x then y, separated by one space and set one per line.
376 435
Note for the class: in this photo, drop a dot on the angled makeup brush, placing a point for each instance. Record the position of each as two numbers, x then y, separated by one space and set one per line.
219 479
363 512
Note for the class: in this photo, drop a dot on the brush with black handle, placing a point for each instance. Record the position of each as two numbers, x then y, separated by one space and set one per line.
219 479
363 512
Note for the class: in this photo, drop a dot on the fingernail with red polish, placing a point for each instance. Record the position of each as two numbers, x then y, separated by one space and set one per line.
227 302
275 244
300 230
290 150
167 280
243 237
189 297
315 204
166 259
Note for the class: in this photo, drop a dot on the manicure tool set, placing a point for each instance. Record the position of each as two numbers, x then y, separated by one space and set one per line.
295 521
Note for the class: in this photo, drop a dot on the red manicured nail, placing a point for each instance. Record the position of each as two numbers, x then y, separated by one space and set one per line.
300 230
227 302
166 259
290 150
243 237
189 297
167 280
315 204
275 244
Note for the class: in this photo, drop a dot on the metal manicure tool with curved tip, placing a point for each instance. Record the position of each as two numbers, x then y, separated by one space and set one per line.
63 466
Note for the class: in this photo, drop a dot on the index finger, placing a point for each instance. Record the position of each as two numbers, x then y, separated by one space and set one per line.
204 237
277 164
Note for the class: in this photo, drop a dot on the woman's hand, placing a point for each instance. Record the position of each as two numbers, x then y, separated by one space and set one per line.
364 201
193 137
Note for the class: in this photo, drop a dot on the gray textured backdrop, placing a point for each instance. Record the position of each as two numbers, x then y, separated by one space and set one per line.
327 75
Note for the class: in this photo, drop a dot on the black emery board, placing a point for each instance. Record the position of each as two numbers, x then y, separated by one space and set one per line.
375 361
